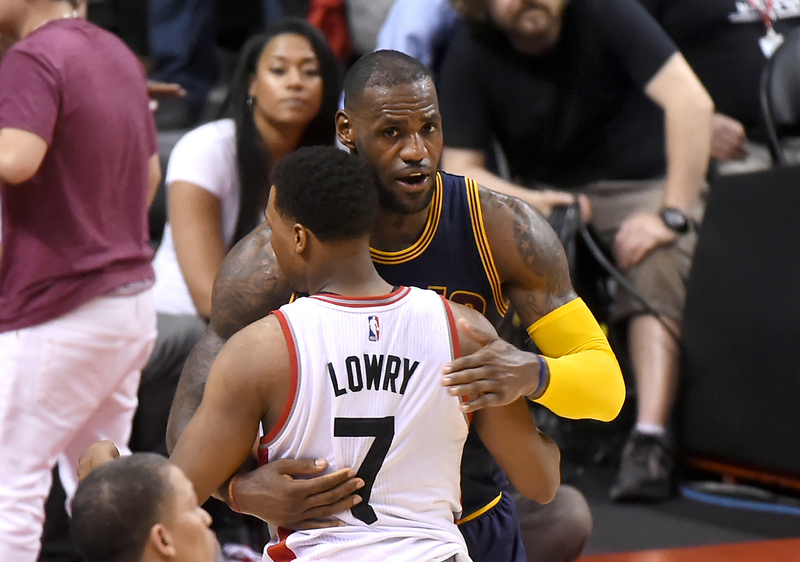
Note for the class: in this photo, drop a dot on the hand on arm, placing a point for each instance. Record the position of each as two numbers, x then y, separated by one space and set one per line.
472 163
585 380
530 459
491 371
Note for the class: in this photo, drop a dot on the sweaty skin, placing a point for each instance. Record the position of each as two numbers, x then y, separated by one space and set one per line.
404 141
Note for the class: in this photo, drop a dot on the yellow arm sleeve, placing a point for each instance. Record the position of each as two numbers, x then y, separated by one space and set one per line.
585 378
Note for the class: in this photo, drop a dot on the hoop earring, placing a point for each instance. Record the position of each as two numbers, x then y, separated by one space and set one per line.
249 102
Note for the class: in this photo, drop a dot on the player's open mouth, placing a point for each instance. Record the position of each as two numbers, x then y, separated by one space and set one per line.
413 182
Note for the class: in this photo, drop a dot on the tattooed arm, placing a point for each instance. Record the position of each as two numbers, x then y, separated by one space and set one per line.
577 375
249 286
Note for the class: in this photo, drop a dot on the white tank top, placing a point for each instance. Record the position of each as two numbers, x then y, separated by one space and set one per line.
366 393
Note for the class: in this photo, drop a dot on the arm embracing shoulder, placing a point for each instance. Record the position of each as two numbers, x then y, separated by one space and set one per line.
248 287
192 383
238 393
249 284
530 459
585 380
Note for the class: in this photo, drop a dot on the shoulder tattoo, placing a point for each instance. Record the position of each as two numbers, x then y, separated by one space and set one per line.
248 285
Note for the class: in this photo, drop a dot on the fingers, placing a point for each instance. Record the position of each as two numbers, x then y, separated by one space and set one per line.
336 500
322 484
479 335
477 391
165 89
96 455
332 499
482 401
300 467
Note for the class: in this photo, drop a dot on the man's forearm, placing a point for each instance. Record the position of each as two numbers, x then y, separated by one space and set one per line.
688 145
192 383
688 110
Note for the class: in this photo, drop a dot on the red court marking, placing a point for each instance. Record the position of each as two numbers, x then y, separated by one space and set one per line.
784 550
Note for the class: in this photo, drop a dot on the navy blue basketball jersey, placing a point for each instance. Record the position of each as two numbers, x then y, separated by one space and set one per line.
452 255
453 258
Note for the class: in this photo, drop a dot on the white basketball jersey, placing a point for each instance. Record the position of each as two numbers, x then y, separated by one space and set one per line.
367 393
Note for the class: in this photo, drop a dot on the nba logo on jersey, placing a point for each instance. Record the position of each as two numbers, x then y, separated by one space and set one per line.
374 328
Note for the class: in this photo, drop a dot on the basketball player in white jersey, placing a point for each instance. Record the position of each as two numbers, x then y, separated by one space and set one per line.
352 374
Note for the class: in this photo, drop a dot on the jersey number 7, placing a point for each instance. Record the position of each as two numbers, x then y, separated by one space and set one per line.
382 429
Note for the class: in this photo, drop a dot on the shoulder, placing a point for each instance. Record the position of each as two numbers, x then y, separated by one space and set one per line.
205 156
526 249
249 284
504 214
257 338
215 134
477 322
257 356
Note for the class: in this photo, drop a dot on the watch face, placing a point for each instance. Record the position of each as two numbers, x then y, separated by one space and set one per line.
675 219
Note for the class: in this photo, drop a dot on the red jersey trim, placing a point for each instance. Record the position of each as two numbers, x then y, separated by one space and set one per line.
454 341
280 552
287 409
364 302
451 321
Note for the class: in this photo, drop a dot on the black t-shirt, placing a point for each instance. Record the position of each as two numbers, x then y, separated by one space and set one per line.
575 114
719 39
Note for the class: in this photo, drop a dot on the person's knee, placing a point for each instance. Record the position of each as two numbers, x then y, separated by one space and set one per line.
574 523
558 531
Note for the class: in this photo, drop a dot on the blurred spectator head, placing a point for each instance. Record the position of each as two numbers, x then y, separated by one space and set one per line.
529 24
243 92
258 82
140 507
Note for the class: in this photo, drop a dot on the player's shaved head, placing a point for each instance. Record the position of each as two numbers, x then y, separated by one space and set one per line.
381 69
116 506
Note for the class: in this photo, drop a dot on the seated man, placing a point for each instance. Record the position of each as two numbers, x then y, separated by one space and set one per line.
592 97
353 375
141 508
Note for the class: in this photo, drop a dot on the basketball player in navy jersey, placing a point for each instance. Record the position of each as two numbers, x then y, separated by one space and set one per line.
352 374
475 246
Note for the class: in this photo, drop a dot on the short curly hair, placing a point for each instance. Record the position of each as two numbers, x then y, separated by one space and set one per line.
327 190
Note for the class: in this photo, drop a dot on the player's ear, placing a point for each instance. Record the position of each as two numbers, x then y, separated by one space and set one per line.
300 238
344 130
160 541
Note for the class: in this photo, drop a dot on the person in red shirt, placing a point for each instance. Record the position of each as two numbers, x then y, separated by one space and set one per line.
78 170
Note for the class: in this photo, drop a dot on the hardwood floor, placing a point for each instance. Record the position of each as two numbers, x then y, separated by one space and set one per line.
782 550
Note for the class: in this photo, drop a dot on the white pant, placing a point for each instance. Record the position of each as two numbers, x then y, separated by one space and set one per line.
64 385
